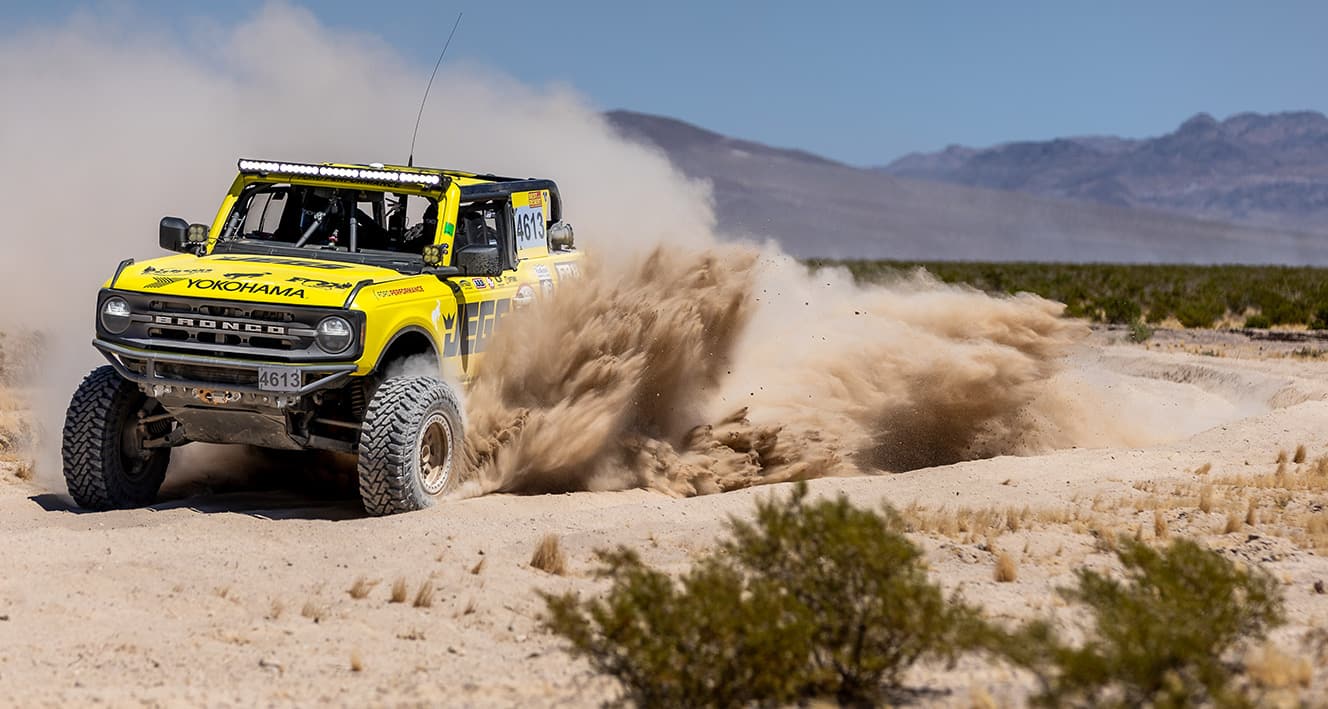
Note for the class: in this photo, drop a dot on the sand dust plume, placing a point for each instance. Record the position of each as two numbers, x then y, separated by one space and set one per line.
699 371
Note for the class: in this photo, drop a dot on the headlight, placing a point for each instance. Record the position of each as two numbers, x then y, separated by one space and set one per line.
115 315
335 335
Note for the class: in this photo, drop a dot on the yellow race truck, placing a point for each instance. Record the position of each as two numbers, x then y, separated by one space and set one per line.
289 322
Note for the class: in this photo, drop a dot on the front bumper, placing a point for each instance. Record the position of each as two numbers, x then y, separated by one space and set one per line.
162 372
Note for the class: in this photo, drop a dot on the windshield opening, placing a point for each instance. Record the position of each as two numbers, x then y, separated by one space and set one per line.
345 219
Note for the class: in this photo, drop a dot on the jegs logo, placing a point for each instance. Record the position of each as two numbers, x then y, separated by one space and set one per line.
471 327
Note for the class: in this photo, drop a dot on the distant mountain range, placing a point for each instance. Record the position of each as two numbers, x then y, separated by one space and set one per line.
923 207
1263 170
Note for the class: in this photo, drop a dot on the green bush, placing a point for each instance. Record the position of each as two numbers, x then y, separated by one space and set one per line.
1158 637
1140 332
1259 321
1320 320
1119 310
810 599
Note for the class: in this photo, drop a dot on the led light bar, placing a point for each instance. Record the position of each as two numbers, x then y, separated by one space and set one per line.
348 173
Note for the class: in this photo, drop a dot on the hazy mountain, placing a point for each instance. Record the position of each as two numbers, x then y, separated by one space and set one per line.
1264 170
816 207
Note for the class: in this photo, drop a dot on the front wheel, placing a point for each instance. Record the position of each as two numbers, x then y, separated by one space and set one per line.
410 445
105 464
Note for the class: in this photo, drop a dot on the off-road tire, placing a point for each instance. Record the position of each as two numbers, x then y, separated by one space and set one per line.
99 472
400 416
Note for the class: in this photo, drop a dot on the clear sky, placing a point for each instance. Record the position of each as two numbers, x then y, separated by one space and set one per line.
861 82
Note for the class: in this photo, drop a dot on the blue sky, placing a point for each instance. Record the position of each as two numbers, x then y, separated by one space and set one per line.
861 82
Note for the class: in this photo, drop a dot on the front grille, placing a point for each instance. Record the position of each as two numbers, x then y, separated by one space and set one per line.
211 375
228 329
207 322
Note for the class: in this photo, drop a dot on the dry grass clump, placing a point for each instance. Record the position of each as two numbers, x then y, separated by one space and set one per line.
1286 502
1160 529
1006 569
969 524
549 557
362 587
398 591
275 611
478 567
1270 668
1206 499
314 611
356 662
424 596
1203 469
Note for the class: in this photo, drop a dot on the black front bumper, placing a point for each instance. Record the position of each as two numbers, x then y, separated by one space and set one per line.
159 371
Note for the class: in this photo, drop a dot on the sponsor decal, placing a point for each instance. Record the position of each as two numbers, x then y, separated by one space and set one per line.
472 326
545 279
480 282
449 228
525 295
536 199
175 271
394 292
316 283
567 270
242 287
242 276
509 279
222 325
163 281
285 262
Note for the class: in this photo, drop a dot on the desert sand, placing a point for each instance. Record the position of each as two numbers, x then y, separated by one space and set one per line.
243 597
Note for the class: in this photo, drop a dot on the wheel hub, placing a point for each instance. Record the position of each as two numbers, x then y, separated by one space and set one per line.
435 453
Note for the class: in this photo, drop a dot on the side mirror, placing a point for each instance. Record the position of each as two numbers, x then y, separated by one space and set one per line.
175 234
480 260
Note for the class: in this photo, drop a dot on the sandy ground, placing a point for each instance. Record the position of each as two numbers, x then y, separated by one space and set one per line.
243 598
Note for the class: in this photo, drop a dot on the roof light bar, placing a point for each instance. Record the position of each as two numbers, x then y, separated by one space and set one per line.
349 173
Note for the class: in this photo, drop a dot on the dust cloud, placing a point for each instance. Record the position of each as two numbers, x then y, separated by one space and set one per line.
707 370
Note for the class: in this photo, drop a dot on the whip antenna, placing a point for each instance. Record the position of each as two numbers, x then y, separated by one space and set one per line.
411 161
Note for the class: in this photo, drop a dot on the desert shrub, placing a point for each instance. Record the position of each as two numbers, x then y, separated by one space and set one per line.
1199 313
1119 310
1320 319
1140 332
1158 637
1259 320
809 599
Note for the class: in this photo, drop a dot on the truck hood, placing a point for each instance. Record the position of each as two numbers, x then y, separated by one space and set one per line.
251 278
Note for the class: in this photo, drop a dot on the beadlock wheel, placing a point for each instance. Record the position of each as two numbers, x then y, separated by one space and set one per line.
409 452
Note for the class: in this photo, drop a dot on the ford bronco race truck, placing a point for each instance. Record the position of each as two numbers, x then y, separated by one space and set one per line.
287 322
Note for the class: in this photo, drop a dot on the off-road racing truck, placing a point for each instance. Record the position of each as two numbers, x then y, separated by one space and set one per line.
287 322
